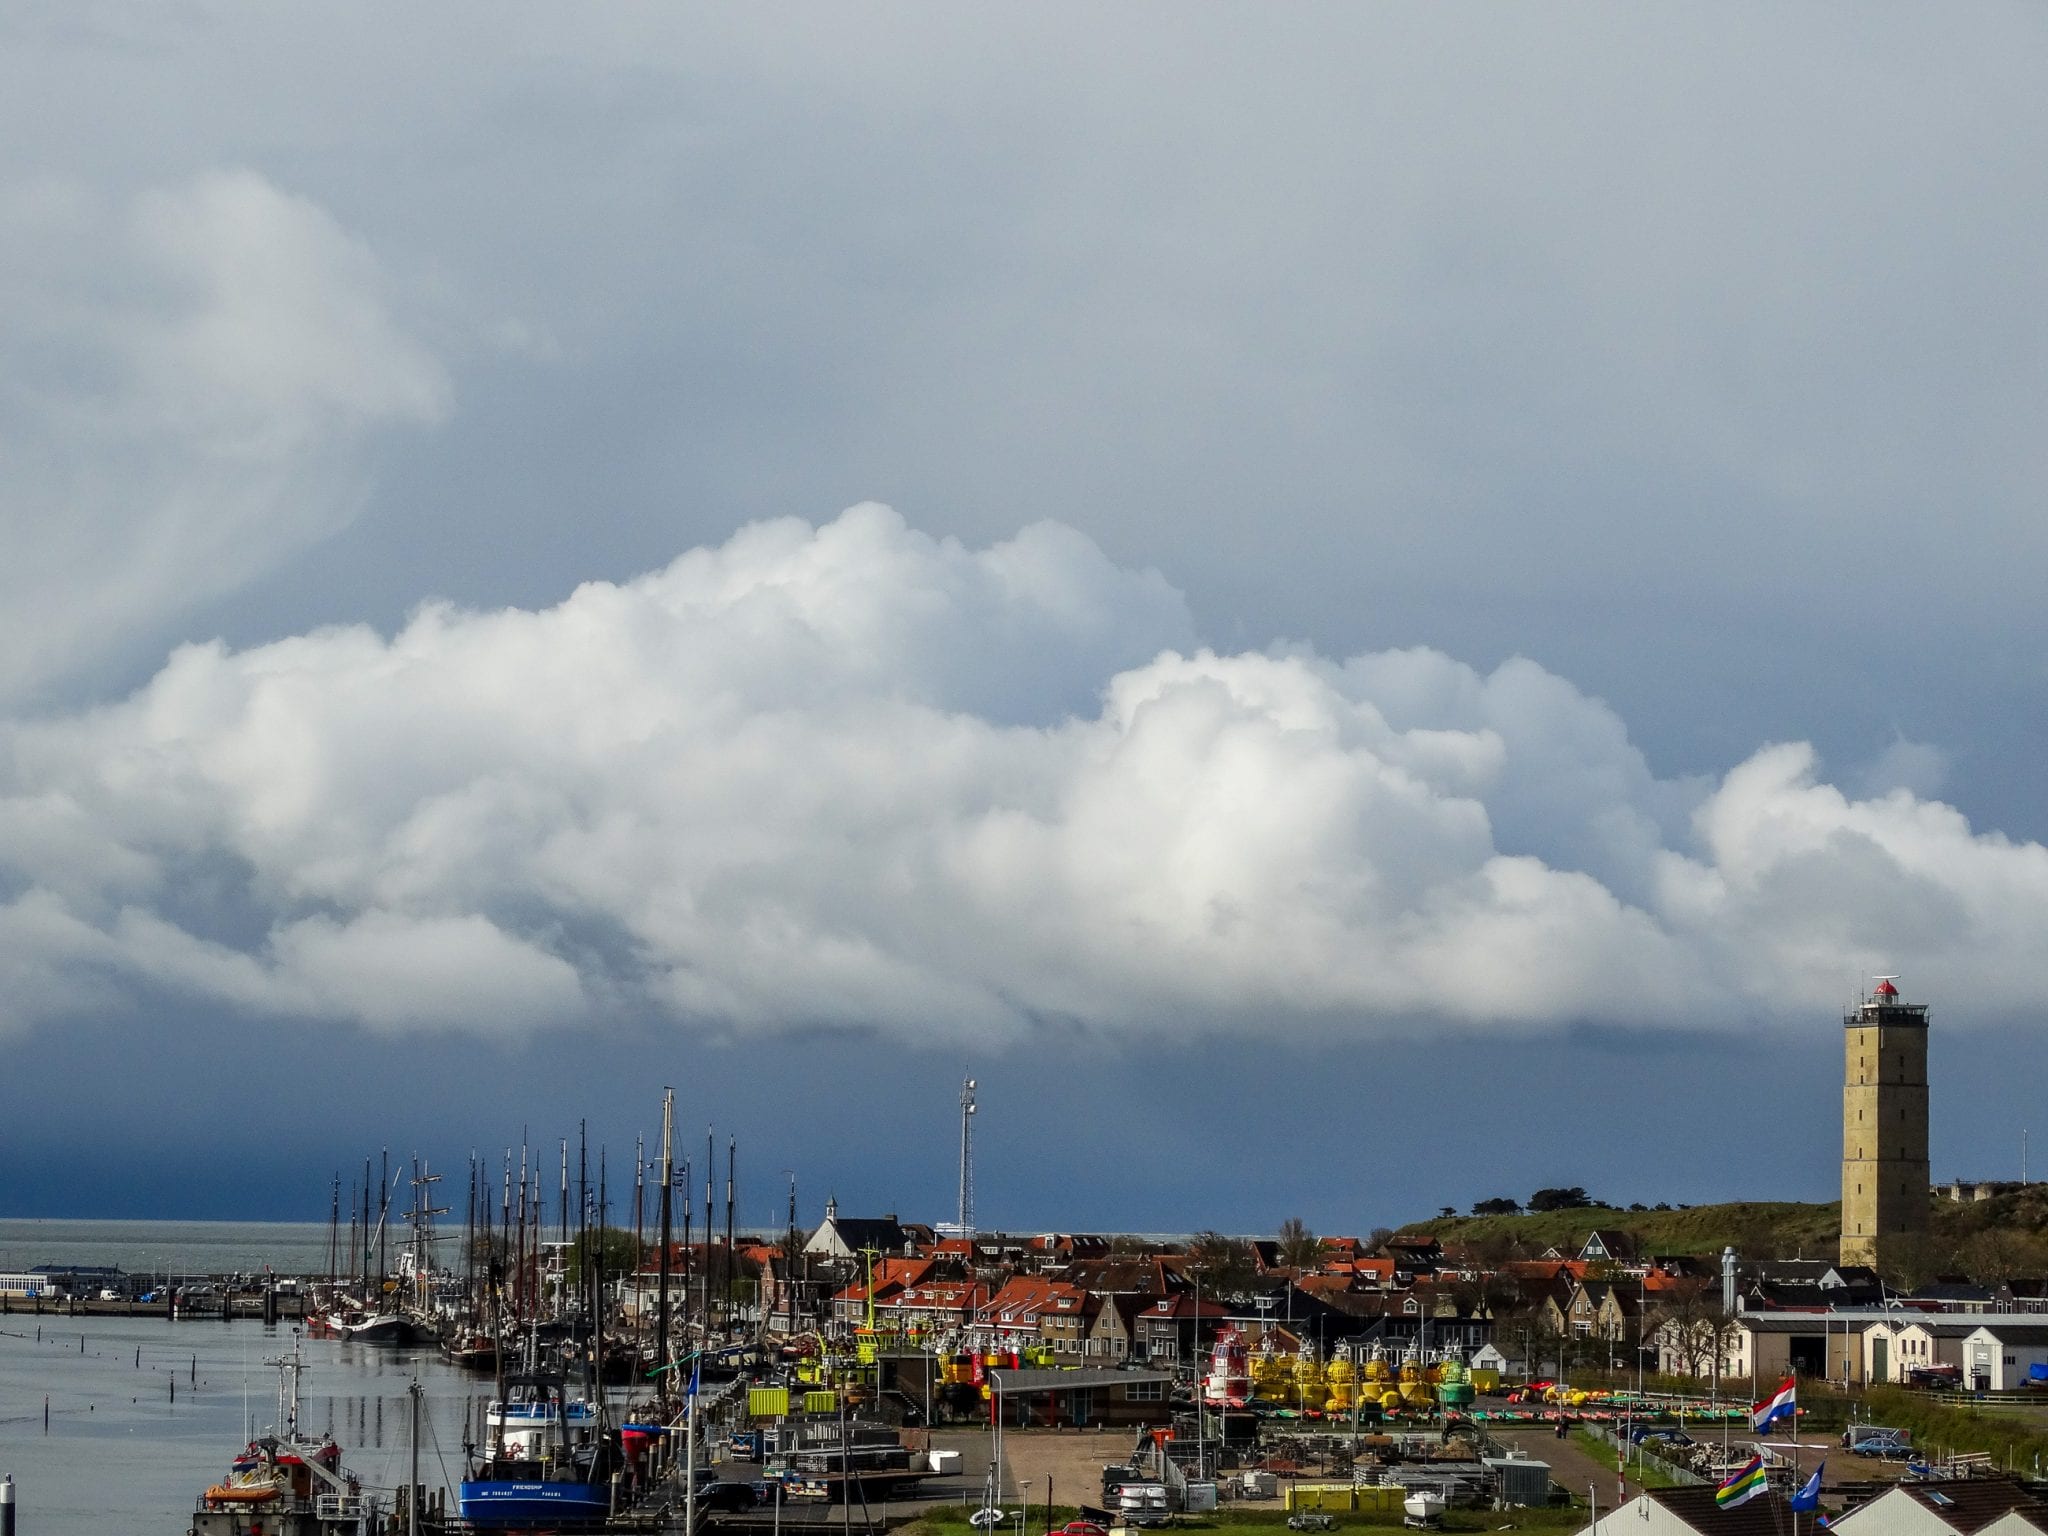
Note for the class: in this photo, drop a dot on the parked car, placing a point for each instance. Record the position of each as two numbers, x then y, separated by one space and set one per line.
1892 1445
715 1494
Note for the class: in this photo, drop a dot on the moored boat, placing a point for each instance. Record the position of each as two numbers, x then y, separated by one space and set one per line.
549 1463
286 1483
378 1328
471 1351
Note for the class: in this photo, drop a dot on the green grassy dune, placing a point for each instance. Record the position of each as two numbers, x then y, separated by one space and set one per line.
1988 1238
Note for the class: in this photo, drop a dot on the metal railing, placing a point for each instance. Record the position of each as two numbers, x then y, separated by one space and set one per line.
1623 1450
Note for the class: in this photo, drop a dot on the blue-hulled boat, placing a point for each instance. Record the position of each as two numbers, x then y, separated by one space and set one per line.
510 1503
556 1476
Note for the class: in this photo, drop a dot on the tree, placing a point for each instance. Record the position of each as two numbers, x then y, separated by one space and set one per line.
1299 1247
1546 1343
616 1250
1909 1260
1228 1267
1687 1317
1996 1256
1499 1205
1572 1198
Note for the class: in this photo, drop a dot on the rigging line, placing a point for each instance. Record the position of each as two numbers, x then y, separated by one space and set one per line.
434 1439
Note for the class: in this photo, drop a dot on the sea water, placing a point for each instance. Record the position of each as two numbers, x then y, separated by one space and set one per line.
172 1247
124 1454
143 1414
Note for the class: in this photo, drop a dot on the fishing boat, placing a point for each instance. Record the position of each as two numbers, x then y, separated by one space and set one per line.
471 1351
378 1328
549 1464
286 1483
528 1419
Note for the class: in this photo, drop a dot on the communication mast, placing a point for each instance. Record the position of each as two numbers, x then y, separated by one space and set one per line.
966 1223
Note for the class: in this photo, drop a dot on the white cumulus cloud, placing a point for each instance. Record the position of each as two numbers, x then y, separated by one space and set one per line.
855 776
189 380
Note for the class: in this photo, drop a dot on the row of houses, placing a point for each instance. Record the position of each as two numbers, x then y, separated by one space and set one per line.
1080 1301
1860 1346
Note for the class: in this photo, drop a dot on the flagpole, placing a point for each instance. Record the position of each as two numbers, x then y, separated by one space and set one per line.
690 1455
1796 1470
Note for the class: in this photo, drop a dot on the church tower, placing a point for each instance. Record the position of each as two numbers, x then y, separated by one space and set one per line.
1884 1125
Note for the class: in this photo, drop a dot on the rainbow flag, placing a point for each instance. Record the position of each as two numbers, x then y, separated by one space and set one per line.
1744 1484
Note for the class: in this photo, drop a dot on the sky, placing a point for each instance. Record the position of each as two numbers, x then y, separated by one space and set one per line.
1353 608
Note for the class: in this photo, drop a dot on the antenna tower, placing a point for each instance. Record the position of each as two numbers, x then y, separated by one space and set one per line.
967 1158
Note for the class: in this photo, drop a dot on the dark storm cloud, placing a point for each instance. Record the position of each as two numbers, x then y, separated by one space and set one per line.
1697 356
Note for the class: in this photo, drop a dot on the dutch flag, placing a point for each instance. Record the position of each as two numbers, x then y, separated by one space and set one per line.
1784 1404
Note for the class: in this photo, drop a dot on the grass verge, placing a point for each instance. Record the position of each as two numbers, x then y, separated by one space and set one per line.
1646 1470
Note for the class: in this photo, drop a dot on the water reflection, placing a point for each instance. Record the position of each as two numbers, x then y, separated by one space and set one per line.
144 1413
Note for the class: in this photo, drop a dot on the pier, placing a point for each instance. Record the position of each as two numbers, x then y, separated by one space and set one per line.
216 1304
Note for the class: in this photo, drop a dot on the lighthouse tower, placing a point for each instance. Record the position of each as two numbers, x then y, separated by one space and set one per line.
1884 1125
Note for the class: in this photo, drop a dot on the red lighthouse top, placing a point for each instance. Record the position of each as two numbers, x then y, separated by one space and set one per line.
1885 989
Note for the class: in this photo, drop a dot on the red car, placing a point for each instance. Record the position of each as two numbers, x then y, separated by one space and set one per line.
1078 1528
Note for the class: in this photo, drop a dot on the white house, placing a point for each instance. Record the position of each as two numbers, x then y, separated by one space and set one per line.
1692 1512
1925 1341
1488 1357
1962 1507
845 1238
2001 1357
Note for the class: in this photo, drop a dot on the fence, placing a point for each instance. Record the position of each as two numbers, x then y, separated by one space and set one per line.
1623 1450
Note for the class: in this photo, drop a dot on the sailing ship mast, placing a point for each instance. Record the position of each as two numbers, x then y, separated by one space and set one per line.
668 1176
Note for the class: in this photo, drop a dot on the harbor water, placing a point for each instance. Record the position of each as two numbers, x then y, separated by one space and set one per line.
144 1413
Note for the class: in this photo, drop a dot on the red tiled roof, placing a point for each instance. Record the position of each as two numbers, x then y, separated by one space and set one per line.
891 1275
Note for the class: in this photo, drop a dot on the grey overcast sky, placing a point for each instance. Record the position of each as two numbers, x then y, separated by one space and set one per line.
1356 607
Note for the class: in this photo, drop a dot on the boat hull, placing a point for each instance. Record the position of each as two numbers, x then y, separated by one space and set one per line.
388 1329
498 1505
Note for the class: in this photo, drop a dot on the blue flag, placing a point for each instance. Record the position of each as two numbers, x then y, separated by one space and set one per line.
693 1379
1808 1496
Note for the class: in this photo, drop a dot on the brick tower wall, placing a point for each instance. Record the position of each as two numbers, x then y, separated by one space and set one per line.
1884 1130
